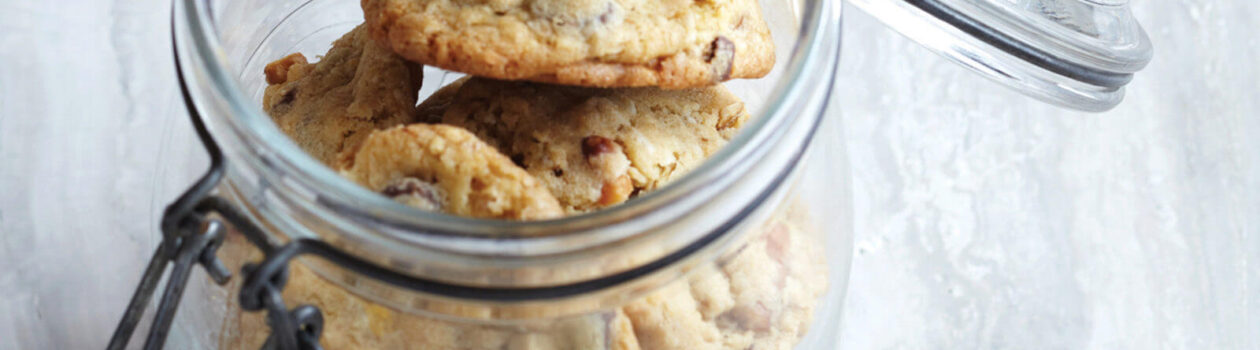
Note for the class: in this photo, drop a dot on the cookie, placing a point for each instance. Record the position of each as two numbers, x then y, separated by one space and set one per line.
331 105
445 168
597 43
761 295
592 147
352 322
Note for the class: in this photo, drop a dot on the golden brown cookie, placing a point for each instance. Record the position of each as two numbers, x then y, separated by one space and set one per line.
445 168
353 322
761 295
592 147
600 43
333 104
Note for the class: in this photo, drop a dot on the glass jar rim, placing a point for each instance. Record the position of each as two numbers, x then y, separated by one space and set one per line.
484 236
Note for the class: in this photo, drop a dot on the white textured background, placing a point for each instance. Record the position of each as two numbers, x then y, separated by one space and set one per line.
989 220
984 219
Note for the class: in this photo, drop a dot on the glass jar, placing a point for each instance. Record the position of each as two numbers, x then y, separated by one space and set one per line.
749 250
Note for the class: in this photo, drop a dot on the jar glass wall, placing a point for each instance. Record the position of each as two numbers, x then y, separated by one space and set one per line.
752 248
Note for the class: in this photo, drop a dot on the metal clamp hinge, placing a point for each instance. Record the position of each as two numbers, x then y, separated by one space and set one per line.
190 237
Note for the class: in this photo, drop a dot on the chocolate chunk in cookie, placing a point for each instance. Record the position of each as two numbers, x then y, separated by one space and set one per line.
721 58
605 154
416 193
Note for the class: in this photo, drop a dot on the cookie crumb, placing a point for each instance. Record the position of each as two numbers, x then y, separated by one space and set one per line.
616 191
278 71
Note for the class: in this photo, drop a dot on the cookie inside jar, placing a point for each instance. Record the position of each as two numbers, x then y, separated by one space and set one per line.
580 114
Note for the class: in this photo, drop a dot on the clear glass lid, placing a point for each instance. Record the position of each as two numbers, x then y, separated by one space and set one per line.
1075 53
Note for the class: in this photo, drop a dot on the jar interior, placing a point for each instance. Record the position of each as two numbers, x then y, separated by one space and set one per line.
250 34
247 34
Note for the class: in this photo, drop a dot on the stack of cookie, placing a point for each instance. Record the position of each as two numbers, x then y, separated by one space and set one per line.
571 105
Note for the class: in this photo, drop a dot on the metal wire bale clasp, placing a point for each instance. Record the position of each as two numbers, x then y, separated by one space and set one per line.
184 249
191 237
195 241
290 329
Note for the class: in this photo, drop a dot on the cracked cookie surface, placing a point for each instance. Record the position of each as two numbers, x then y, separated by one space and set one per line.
328 106
445 168
592 148
598 43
